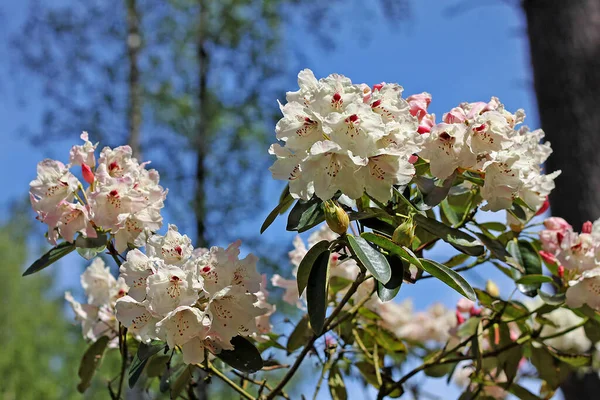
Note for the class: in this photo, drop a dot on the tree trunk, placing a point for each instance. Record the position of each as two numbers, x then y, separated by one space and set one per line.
201 137
134 111
564 37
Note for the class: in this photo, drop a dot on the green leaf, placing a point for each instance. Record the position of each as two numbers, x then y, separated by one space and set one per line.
337 388
552 299
181 382
386 244
546 366
156 365
281 207
458 239
52 256
316 292
493 226
91 243
299 335
575 360
387 291
529 259
370 258
244 357
305 215
145 351
432 193
534 279
494 246
307 263
449 277
519 391
90 361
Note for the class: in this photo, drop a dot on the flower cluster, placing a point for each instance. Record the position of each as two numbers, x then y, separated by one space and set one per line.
123 197
348 137
482 137
97 316
195 299
577 256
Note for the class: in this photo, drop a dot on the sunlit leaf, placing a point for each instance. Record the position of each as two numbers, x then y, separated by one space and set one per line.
52 256
283 205
90 361
372 260
305 215
460 240
449 277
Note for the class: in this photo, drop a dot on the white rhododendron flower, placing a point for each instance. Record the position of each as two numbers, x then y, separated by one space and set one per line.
340 136
481 137
585 290
102 290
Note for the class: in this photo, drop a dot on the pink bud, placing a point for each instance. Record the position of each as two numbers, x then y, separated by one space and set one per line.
475 312
548 257
561 271
464 305
418 104
456 115
587 227
557 224
87 173
544 207
413 159
459 318
377 87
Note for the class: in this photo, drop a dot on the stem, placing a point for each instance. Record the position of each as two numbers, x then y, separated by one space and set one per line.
228 381
326 367
262 384
311 341
123 347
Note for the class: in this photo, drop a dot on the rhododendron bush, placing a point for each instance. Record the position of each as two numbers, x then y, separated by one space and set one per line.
382 185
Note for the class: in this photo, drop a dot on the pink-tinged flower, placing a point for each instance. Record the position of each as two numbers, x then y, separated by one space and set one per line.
587 227
464 305
263 323
544 207
418 104
459 318
456 115
84 154
553 235
557 224
585 290
54 184
548 257
426 124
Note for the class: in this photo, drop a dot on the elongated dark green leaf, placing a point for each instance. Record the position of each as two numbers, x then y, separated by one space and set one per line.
90 361
307 263
180 382
493 226
519 391
449 277
52 256
299 335
283 205
529 259
458 239
433 193
244 357
387 291
372 260
387 244
305 215
316 292
494 246
145 351
533 279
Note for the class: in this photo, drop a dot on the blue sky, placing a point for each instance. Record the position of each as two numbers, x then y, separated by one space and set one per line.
471 55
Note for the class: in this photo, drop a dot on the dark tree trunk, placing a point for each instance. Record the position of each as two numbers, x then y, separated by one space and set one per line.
134 111
201 138
564 37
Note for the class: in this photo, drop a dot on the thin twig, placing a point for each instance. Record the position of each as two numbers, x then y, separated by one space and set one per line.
228 381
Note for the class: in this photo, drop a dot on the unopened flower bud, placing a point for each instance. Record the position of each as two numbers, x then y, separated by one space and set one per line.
404 233
587 227
492 288
459 318
561 271
337 219
87 173
548 257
